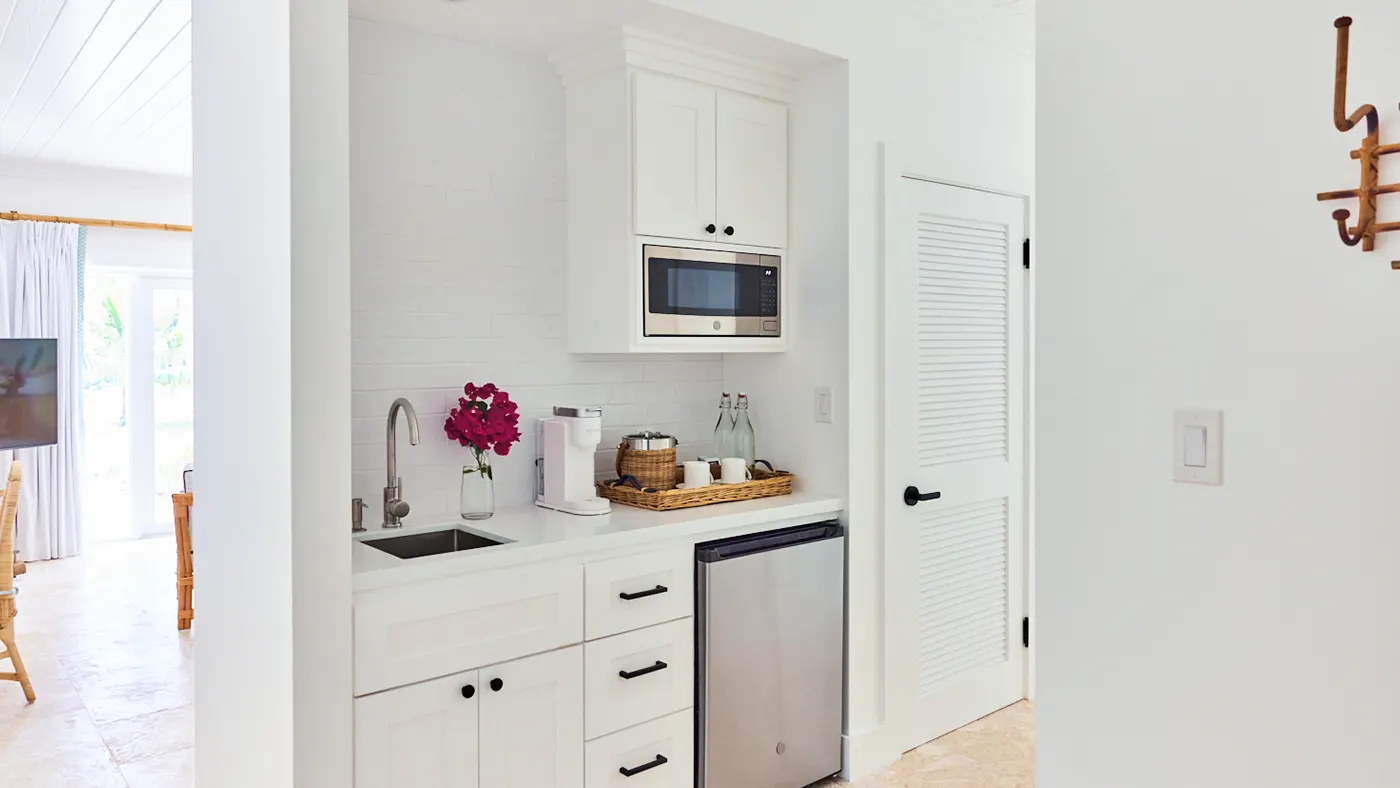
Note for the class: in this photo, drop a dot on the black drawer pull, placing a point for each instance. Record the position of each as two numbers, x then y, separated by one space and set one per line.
660 761
640 594
635 673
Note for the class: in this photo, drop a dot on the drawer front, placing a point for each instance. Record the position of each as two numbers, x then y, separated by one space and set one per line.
425 630
638 676
625 593
669 738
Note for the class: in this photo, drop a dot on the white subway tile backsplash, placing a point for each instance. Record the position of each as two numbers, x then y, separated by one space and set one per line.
458 262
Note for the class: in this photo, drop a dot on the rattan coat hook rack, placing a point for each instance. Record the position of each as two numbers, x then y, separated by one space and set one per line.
1367 227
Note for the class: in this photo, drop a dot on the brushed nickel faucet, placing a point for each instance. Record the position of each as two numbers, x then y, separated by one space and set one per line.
395 508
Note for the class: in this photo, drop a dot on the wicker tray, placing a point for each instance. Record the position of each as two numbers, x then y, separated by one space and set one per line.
765 484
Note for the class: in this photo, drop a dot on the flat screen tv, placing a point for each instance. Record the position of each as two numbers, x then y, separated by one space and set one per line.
28 393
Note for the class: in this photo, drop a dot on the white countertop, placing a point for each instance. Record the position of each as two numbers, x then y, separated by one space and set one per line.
533 534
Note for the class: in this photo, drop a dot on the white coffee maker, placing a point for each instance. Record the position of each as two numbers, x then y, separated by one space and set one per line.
566 445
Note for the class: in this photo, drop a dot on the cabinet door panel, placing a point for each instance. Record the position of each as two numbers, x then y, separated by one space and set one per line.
673 147
421 736
752 184
532 727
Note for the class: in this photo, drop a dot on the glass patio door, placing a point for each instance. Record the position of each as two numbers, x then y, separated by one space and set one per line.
138 400
162 398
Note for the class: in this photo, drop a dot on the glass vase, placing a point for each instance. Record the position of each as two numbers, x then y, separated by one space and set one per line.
478 493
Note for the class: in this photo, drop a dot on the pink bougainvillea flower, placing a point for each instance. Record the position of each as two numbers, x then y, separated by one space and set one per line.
484 426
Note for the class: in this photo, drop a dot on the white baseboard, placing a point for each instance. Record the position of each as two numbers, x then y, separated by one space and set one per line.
866 753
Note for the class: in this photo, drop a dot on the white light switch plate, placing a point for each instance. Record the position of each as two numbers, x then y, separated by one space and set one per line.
1192 461
824 405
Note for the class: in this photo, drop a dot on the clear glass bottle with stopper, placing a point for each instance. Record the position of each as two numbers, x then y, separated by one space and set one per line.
724 429
743 432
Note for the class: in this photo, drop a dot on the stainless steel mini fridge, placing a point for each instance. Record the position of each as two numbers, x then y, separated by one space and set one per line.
769 658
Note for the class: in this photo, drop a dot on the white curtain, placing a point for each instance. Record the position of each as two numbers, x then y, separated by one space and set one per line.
39 282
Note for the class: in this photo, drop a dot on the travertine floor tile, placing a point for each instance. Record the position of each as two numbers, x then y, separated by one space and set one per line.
150 735
995 752
115 679
172 770
57 750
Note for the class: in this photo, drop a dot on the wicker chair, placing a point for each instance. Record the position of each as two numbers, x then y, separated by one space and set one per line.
7 585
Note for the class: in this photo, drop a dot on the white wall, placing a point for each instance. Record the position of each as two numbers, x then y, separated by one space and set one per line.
272 444
51 189
957 89
459 263
1241 635
782 387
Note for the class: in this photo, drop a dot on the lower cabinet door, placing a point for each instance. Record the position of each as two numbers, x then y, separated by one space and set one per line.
420 736
532 722
656 754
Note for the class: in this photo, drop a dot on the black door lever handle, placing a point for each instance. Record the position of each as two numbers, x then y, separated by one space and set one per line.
912 496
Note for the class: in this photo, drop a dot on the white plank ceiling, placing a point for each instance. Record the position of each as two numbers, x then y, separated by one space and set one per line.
97 82
107 82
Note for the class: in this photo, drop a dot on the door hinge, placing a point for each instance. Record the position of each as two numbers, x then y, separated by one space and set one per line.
1026 632
1026 254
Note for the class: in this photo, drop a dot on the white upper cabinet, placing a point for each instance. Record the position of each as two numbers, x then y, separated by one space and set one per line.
708 164
751 186
668 144
674 157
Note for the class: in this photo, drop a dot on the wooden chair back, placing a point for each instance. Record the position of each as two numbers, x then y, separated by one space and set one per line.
7 544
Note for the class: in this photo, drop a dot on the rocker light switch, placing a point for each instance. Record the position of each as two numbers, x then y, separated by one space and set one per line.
1196 446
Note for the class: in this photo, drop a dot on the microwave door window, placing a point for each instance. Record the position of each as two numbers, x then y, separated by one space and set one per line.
688 287
703 291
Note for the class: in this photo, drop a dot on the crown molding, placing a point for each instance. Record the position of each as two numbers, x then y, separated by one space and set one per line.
631 48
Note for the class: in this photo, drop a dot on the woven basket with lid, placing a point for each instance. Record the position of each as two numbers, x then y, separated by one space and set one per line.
650 458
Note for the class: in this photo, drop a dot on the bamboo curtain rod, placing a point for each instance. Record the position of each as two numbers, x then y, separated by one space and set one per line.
15 216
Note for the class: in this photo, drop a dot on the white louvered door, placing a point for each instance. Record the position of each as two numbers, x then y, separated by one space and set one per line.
955 381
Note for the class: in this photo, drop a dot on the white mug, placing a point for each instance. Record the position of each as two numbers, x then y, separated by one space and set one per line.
697 474
733 470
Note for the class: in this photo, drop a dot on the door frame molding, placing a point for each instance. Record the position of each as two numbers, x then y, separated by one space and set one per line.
925 164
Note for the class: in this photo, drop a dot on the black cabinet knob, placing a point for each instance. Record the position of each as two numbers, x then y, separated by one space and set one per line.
469 692
709 228
496 685
912 496
729 230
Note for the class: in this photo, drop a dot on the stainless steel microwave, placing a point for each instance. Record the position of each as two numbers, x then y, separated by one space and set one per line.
705 293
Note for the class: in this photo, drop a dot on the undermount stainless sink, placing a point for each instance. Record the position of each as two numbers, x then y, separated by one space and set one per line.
431 543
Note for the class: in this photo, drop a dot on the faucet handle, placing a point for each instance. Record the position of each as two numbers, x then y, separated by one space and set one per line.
357 515
398 508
